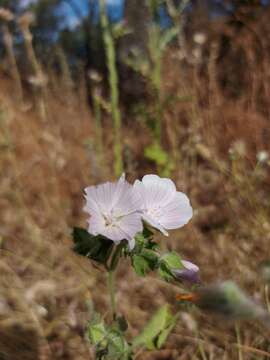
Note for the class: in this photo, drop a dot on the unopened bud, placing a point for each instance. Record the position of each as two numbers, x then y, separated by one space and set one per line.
190 272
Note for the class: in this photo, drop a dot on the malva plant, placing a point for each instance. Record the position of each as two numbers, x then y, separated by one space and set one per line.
122 223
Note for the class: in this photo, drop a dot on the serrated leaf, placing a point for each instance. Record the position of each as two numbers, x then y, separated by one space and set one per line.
157 330
96 333
97 248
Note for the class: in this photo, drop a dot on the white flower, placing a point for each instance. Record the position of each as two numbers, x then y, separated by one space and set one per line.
113 209
163 207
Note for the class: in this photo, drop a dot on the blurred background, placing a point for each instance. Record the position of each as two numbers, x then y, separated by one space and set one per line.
89 88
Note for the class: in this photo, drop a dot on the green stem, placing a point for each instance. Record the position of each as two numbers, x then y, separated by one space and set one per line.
266 291
111 287
113 81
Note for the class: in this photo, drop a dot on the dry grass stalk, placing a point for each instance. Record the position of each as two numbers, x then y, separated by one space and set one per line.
38 79
8 41
6 16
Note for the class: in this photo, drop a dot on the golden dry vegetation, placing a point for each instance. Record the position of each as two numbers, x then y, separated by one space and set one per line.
214 130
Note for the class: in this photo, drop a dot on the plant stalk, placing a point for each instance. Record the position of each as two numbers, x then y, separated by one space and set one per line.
111 288
113 81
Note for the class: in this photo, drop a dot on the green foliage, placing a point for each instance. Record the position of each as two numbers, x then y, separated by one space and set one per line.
97 248
172 260
140 265
157 330
168 262
145 262
109 340
162 159
146 257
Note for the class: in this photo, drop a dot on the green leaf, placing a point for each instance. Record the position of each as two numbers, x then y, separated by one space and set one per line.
164 272
140 265
168 262
172 260
144 240
166 332
118 347
145 261
97 333
97 248
151 257
157 330
155 153
109 342
164 162
140 239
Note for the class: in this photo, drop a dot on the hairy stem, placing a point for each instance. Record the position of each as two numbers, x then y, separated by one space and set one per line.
111 288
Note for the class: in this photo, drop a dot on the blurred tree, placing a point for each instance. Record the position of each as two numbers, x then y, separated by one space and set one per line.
12 5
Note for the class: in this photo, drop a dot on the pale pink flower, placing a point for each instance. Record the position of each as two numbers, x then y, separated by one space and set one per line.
162 206
113 210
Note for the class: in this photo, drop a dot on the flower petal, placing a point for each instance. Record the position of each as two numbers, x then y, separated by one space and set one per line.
131 244
153 222
128 201
190 266
96 224
177 212
130 225
157 191
99 198
189 273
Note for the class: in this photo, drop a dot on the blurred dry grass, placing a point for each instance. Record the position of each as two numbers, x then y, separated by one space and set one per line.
213 136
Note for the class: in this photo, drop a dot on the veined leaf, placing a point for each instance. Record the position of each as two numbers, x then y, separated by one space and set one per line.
157 330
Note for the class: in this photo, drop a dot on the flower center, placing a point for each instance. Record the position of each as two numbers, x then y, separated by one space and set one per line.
111 219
